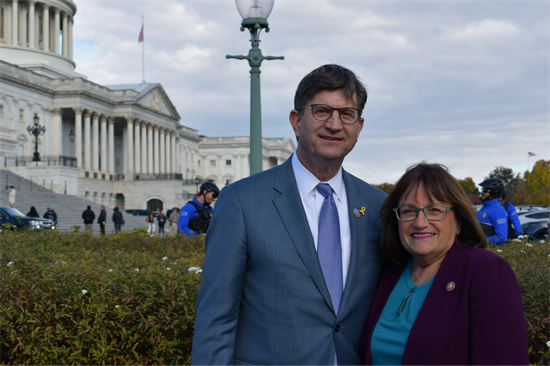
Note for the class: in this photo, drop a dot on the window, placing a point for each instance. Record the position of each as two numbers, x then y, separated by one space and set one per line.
228 162
2 23
21 115
28 24
212 162
199 162
1 110
40 32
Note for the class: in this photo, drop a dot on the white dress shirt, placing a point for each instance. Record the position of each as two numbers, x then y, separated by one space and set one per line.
313 201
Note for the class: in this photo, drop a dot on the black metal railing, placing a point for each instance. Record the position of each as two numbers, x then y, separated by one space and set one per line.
174 176
47 160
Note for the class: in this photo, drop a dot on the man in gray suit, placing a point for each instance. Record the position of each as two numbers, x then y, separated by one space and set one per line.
292 253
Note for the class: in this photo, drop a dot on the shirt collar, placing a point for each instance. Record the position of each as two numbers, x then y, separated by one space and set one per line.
306 181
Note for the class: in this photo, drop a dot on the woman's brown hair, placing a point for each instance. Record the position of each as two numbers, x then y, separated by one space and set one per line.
440 185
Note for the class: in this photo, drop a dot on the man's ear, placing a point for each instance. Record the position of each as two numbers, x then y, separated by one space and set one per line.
295 119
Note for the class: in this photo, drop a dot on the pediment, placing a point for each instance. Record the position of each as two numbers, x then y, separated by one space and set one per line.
156 99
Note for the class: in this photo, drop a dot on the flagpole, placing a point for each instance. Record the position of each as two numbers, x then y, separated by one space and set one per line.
143 49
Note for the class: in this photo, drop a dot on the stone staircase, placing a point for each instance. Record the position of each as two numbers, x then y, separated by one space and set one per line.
68 208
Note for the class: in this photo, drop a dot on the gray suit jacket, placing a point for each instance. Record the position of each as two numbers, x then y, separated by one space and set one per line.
263 298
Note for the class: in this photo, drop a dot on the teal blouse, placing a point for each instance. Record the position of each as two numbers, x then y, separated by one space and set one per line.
397 319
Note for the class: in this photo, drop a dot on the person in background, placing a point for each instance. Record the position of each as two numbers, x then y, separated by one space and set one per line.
514 226
195 216
51 215
101 220
151 220
117 219
161 220
11 196
88 215
174 218
442 298
33 212
492 216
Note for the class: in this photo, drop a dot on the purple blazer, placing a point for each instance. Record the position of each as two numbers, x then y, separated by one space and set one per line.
480 322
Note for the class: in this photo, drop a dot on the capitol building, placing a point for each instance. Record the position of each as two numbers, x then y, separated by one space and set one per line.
118 145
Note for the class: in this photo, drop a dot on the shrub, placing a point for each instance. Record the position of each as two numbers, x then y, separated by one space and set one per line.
70 298
530 261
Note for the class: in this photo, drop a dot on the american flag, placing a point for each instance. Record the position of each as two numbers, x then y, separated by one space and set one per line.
531 154
140 39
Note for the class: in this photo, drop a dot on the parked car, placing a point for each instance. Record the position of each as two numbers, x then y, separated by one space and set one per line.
13 216
140 213
528 208
527 217
537 228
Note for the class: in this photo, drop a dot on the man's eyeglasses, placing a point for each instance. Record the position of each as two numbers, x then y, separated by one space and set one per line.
214 194
432 213
323 112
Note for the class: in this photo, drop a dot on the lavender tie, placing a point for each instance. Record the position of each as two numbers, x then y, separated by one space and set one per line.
329 248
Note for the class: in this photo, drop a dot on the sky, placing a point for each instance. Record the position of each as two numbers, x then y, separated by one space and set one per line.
461 83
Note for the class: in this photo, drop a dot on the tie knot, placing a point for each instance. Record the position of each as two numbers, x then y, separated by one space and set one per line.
325 189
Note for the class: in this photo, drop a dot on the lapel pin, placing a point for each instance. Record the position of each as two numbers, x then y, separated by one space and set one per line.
451 286
355 212
362 210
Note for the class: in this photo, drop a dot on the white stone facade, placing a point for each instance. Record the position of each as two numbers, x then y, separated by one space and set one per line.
117 145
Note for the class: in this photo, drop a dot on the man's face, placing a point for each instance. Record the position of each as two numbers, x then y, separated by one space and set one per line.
486 196
324 143
210 197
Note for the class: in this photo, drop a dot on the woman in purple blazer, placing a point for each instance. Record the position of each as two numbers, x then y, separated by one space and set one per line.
442 298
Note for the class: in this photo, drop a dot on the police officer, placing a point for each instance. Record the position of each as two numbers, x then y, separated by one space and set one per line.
514 226
198 208
492 216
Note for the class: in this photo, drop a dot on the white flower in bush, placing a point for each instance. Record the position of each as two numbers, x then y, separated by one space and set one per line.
523 251
548 344
117 306
529 245
521 236
168 268
10 263
196 270
84 292
164 258
517 240
137 269
499 250
111 270
542 241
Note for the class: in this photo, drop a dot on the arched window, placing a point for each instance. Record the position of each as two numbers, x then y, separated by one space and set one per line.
2 23
40 32
154 205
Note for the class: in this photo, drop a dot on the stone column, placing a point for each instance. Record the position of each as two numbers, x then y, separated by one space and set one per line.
220 170
78 136
137 147
174 152
130 121
162 167
150 148
46 35
104 156
70 41
245 166
15 22
55 35
65 49
95 142
144 148
87 141
31 24
56 138
111 122
168 153
237 165
156 149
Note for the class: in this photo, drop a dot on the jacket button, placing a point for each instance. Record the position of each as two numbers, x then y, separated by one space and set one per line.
337 328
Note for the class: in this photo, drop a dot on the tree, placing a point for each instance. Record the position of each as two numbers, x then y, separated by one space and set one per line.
470 189
506 175
386 187
534 188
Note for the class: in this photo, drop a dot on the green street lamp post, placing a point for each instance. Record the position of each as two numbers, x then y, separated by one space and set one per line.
254 14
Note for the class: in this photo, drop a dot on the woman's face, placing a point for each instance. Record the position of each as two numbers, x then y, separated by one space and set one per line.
427 241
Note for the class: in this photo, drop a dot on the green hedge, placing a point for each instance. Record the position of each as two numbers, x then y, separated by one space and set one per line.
119 299
69 298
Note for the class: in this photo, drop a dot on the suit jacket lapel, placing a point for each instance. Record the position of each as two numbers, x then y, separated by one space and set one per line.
293 216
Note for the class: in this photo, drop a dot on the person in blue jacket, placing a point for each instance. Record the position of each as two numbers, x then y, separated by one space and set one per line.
207 194
492 216
514 226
